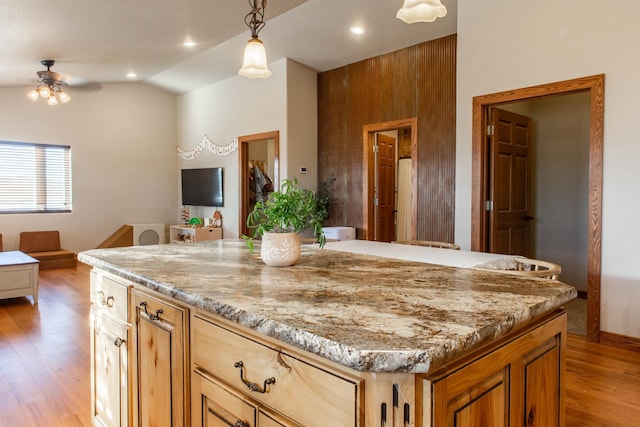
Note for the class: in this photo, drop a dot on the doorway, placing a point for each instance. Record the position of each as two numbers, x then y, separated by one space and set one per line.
390 208
258 155
593 85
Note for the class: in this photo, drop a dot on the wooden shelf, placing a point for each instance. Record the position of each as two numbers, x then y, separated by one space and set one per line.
187 234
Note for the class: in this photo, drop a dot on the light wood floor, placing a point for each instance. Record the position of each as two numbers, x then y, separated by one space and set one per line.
44 364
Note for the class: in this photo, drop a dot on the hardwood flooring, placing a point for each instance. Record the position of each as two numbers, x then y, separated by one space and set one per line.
44 364
44 353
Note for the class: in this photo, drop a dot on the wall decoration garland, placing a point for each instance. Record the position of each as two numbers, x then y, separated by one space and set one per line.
220 150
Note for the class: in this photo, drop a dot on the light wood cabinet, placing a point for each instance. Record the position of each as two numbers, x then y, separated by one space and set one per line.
185 234
156 362
217 404
159 356
110 332
518 384
277 379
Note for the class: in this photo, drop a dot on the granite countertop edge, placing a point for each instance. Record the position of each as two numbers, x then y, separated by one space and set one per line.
423 360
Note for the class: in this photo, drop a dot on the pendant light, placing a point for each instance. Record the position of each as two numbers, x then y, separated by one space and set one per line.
421 11
255 57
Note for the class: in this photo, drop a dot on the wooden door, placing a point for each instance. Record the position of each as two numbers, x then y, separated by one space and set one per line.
510 184
109 370
385 188
159 369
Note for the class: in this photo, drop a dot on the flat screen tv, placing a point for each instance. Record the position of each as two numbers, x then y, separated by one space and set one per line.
202 187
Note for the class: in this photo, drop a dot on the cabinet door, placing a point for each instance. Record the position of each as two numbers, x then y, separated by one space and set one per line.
519 383
215 405
109 370
542 387
160 397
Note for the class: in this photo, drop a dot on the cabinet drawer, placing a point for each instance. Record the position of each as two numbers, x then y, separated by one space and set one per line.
305 393
220 406
110 295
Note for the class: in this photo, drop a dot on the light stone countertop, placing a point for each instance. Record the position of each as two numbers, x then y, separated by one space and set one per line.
365 312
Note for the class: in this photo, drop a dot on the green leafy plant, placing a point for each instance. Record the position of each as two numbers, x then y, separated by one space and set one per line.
324 197
290 209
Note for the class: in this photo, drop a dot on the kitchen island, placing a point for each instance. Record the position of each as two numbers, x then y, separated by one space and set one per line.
211 333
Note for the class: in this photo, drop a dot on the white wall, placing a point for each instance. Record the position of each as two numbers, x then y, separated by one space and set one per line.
506 44
240 106
122 142
302 123
561 153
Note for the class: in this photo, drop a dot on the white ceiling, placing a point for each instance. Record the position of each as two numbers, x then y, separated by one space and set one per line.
103 40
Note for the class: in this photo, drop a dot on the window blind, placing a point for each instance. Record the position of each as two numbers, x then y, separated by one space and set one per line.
34 178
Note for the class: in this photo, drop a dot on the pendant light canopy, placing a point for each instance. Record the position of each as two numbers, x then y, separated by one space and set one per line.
255 56
421 11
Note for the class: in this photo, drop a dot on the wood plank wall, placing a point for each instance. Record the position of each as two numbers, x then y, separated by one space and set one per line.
418 81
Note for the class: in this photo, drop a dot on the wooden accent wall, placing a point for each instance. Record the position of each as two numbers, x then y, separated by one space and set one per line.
418 81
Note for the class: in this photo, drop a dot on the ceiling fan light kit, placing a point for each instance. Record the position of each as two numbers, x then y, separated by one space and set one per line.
413 11
255 56
50 86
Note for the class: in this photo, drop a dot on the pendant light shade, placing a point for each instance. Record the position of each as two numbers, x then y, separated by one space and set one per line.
255 56
421 11
255 60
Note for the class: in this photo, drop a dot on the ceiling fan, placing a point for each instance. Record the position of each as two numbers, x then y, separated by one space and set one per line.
51 84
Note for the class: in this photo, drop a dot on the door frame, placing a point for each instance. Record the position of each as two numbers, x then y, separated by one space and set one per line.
481 104
368 139
243 179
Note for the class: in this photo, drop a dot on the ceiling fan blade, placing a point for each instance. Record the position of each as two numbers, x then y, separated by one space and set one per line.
47 75
78 83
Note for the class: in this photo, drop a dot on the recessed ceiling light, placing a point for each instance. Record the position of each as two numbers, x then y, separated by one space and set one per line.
131 75
190 43
356 29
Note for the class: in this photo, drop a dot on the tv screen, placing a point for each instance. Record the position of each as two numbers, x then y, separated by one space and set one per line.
202 187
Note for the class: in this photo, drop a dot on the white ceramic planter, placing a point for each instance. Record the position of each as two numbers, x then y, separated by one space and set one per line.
280 249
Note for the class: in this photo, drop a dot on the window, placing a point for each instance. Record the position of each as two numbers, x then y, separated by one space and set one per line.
34 178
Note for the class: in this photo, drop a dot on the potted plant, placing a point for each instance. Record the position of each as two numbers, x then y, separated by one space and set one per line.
279 221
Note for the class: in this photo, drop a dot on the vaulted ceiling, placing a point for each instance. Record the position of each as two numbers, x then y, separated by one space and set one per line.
104 40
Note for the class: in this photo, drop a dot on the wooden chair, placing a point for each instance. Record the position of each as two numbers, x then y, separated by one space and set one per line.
45 247
428 243
532 268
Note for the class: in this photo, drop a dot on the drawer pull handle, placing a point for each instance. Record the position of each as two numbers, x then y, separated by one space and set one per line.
407 413
255 387
104 300
152 316
240 423
118 342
